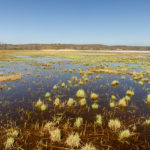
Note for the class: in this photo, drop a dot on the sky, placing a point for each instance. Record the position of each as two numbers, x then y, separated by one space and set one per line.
109 22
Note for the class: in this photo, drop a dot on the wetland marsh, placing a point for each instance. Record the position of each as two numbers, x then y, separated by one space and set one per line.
74 100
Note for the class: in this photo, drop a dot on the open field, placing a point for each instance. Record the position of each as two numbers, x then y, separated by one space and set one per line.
73 99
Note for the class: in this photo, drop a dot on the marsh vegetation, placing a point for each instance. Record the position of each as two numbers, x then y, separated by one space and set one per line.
74 100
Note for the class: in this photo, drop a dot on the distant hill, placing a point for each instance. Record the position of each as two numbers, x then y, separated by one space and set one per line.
70 46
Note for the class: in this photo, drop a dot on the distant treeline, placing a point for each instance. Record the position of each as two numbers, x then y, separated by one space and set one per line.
70 46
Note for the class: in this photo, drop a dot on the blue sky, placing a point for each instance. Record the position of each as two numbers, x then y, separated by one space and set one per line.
111 22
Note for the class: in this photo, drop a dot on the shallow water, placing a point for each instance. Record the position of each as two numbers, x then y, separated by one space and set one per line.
49 77
34 86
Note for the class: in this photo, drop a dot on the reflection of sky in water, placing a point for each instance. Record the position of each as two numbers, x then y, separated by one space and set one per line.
49 77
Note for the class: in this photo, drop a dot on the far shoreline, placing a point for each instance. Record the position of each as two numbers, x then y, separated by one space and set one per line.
100 51
80 51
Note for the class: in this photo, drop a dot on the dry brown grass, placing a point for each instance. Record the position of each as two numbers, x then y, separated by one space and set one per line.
12 77
98 69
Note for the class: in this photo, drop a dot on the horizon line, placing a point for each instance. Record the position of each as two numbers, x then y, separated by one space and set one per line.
2 43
